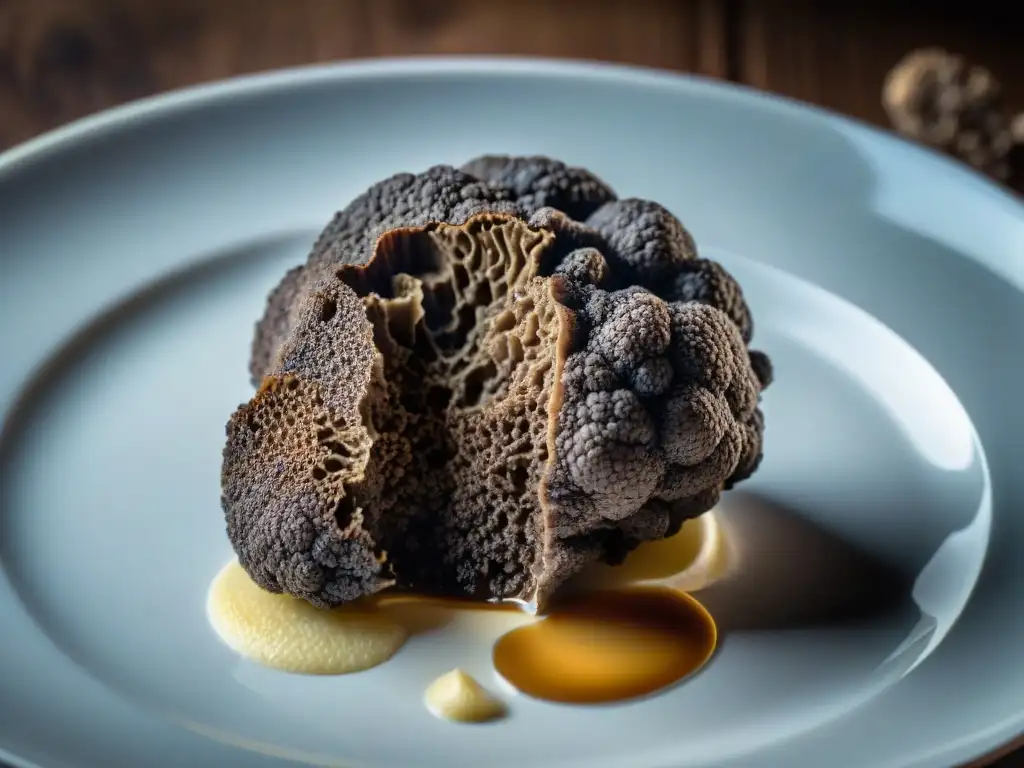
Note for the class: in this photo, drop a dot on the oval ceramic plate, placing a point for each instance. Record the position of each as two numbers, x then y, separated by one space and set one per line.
875 615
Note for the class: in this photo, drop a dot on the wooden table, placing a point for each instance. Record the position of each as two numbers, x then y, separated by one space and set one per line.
61 59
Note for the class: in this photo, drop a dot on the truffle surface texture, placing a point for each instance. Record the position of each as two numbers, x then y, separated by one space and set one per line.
482 380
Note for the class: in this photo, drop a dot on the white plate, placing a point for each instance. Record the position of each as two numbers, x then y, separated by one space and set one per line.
136 250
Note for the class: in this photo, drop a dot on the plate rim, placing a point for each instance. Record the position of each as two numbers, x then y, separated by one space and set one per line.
167 102
173 101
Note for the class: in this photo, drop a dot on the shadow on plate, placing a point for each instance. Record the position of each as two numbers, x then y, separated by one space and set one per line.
783 572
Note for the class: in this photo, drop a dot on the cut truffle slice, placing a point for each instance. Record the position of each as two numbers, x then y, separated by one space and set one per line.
404 433
474 412
440 193
273 328
471 340
490 183
293 453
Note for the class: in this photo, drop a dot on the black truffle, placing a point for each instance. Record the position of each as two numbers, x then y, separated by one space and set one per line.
468 392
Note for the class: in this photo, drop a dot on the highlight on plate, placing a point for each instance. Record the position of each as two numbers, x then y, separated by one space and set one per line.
492 388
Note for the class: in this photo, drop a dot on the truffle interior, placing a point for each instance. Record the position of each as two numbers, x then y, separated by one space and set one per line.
460 408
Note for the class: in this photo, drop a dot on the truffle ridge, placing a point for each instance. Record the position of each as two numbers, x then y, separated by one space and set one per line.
468 391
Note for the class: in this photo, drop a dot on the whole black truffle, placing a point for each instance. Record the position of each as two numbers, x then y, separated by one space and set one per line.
467 391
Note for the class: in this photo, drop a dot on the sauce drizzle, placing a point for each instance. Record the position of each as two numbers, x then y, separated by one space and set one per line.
608 646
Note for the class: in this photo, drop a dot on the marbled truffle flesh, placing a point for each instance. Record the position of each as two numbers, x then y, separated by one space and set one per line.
468 391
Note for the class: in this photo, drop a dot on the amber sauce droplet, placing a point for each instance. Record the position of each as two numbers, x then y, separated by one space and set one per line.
608 646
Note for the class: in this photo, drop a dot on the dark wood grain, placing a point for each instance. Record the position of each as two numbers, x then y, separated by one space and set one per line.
1009 756
62 59
837 54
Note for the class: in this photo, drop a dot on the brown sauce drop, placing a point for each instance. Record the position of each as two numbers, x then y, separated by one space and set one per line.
608 646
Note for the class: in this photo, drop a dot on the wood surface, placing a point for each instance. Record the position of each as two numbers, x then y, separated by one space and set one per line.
63 59
837 54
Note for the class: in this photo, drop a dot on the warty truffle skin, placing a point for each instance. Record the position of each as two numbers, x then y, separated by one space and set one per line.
483 379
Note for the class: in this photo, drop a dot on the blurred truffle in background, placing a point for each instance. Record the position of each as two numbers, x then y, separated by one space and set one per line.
957 107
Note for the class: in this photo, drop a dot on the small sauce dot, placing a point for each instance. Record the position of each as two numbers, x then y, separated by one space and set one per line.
608 646
459 697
